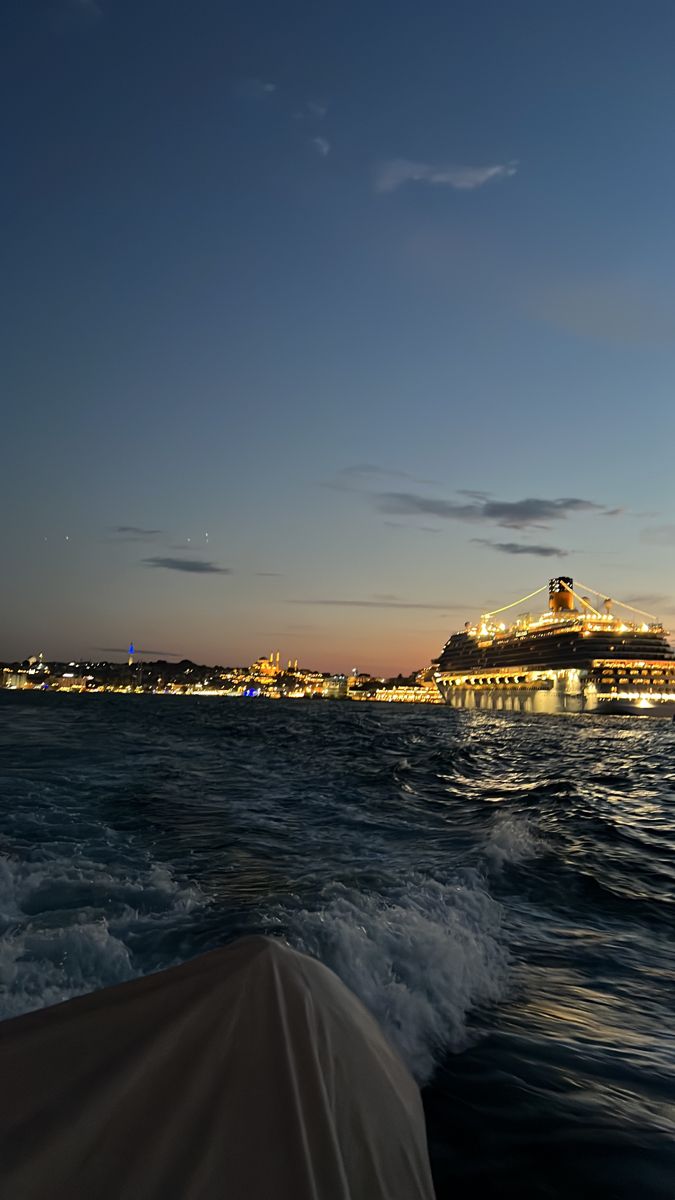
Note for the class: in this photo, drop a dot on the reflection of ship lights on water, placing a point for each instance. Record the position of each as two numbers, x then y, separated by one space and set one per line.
577 656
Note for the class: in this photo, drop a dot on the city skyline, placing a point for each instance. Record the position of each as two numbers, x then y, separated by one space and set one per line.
331 330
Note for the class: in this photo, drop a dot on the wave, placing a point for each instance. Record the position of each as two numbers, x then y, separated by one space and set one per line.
421 959
71 927
511 841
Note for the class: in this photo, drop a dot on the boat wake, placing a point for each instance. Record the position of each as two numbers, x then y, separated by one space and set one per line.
510 842
421 959
70 927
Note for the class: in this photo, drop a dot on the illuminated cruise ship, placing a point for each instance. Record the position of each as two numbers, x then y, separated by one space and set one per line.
575 657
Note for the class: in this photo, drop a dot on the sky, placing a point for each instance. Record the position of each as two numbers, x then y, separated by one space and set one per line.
328 327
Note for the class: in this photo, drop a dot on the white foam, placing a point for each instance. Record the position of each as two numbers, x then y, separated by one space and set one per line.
68 925
420 960
44 967
510 841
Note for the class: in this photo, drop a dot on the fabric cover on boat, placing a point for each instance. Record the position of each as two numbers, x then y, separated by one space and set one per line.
250 1073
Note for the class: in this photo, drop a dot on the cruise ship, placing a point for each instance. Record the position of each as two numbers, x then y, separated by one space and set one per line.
577 656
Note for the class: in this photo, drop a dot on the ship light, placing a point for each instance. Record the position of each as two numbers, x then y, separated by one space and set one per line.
645 703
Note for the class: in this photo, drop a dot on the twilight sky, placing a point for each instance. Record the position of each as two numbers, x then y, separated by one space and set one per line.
325 327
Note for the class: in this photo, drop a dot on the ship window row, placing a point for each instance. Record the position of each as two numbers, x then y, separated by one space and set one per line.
640 670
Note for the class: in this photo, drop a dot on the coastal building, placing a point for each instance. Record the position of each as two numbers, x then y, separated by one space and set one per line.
335 687
16 680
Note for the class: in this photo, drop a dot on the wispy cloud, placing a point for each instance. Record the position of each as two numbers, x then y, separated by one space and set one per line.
655 602
125 650
313 110
134 533
192 566
517 514
618 310
361 476
321 145
395 172
254 89
373 604
412 528
522 548
364 470
659 535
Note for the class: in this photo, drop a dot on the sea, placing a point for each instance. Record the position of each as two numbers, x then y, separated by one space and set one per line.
498 888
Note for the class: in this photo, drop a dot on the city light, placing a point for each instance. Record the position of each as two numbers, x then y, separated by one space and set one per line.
265 679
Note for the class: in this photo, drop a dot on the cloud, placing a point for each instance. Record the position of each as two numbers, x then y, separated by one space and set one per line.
362 470
360 476
660 535
517 514
651 598
321 145
652 604
254 89
193 566
125 650
614 310
374 604
522 548
411 528
312 110
134 533
395 172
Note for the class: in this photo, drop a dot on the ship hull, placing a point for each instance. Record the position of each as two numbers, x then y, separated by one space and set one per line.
556 694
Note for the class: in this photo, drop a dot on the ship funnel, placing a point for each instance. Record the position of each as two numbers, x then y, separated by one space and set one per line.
560 596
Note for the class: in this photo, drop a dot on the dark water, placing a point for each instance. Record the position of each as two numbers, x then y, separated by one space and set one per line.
499 889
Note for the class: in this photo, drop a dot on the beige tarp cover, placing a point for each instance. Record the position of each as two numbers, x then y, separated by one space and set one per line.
250 1073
